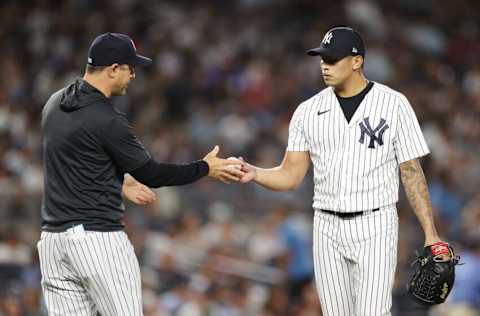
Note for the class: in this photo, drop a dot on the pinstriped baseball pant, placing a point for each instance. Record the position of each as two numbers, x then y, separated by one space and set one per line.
355 261
85 273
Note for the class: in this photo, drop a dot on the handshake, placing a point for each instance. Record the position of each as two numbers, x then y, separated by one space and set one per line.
230 169
225 170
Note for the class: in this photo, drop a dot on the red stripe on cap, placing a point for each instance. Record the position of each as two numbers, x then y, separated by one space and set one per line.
440 248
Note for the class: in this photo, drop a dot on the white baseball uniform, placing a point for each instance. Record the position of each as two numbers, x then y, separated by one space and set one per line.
86 272
356 168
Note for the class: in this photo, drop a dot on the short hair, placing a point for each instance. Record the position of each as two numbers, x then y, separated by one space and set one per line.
89 69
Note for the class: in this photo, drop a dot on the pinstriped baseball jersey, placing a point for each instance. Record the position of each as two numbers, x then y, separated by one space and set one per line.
356 164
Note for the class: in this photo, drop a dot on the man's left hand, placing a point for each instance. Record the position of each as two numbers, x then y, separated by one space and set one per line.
137 192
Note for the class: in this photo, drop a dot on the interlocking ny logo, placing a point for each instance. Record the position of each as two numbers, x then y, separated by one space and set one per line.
327 38
365 128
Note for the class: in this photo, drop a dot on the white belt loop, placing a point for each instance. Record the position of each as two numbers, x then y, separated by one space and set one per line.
76 230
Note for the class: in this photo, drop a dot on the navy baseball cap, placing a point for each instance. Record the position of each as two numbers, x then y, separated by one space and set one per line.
340 42
115 48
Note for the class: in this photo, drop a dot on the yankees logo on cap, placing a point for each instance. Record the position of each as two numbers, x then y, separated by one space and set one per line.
340 42
327 38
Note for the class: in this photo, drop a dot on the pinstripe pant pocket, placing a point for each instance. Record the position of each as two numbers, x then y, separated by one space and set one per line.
107 263
100 266
63 291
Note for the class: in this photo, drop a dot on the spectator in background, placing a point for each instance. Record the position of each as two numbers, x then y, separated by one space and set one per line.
296 233
218 64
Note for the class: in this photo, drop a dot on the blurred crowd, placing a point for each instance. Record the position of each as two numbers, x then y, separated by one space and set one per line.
232 73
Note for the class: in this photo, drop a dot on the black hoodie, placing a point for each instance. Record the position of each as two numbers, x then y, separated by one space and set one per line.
87 148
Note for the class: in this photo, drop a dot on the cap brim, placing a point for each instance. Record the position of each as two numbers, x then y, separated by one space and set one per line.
322 51
141 61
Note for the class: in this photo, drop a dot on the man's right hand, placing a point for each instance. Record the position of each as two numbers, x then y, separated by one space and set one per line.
225 170
250 172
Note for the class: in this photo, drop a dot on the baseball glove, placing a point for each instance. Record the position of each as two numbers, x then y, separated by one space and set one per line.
433 274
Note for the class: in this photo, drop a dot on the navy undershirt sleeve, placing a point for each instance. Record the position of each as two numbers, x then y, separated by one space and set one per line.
155 174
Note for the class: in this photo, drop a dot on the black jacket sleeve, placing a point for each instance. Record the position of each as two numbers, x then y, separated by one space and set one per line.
155 174
122 145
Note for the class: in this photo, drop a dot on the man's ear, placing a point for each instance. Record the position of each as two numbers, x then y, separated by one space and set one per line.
112 70
357 62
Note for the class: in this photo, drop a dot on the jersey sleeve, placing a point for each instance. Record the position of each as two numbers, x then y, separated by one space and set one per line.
296 131
409 142
122 145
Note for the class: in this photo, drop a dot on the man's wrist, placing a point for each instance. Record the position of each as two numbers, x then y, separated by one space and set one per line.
204 167
255 174
431 239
